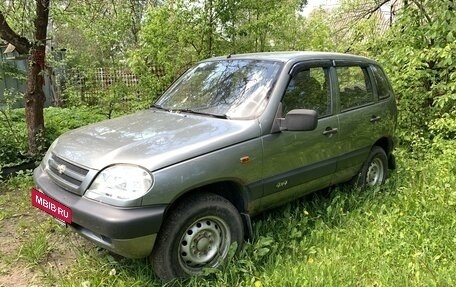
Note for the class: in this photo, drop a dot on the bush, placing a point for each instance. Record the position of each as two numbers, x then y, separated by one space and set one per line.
421 63
13 132
60 120
13 139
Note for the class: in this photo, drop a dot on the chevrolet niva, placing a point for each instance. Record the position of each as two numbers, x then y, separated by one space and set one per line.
231 137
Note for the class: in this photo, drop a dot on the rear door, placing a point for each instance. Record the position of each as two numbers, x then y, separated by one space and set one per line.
361 117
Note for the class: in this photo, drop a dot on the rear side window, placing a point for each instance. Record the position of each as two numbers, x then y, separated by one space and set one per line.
354 86
384 89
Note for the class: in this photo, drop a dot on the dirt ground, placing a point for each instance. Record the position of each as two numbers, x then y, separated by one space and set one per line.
12 271
16 231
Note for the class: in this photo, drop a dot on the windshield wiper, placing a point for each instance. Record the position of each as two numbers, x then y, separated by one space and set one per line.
201 113
160 107
188 111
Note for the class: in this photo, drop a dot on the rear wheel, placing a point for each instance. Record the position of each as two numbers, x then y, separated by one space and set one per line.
197 234
374 170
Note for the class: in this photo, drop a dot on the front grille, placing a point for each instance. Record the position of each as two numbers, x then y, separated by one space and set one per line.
65 174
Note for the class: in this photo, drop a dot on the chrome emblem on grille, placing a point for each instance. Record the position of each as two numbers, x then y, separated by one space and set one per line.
61 168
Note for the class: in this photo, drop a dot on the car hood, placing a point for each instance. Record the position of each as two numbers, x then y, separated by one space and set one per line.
151 138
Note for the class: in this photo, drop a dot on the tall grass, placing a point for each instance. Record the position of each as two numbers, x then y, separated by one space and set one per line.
402 234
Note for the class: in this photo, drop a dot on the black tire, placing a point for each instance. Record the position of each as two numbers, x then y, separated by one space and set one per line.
197 234
374 170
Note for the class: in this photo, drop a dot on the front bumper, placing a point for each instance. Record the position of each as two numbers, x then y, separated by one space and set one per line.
132 248
128 231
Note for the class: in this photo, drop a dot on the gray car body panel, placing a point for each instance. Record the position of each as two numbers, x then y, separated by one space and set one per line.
152 139
185 152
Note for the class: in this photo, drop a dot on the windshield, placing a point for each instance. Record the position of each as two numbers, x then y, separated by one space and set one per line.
235 89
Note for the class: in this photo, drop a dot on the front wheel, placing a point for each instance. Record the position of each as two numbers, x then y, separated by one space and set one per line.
374 170
197 234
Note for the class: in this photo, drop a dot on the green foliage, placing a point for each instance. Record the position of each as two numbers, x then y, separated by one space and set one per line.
315 33
9 69
399 235
422 67
98 32
13 140
61 120
120 99
57 120
112 96
355 24
418 55
200 29
20 15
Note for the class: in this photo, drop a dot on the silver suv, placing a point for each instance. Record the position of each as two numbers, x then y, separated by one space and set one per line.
233 136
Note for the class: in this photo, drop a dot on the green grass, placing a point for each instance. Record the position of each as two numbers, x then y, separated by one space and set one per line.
36 247
402 234
13 137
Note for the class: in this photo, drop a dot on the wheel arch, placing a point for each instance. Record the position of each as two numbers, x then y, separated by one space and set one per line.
228 189
387 144
231 190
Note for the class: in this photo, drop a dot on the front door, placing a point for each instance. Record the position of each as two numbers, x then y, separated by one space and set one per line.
298 162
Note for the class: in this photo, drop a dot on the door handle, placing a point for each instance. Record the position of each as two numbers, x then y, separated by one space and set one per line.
329 131
374 119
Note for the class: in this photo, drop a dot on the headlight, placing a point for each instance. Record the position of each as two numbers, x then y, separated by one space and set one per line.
45 161
120 184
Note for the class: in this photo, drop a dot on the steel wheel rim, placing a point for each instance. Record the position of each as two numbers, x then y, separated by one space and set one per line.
375 172
205 243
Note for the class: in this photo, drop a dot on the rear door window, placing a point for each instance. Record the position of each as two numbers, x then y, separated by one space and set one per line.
355 87
384 89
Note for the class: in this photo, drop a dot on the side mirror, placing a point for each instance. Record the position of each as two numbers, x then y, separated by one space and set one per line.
300 120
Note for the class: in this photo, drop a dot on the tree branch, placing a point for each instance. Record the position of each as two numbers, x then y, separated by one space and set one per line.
356 16
420 6
375 9
21 43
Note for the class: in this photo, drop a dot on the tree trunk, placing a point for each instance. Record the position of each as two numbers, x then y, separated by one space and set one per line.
34 96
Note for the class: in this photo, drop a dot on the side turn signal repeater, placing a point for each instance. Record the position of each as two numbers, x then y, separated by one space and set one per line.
245 159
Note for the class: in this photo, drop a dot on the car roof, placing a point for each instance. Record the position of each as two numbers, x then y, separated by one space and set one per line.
286 56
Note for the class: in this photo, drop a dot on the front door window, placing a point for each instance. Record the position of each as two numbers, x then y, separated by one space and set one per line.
309 89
